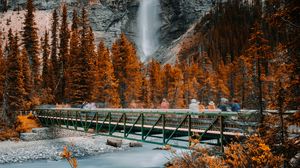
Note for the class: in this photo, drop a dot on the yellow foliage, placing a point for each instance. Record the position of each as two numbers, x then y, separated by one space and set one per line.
26 123
9 134
252 153
68 155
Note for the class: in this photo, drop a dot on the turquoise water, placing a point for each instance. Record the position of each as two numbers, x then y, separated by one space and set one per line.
143 157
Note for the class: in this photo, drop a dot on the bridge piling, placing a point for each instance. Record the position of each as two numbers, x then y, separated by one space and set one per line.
221 133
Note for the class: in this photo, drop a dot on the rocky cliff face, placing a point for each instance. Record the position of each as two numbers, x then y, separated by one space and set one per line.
109 18
178 16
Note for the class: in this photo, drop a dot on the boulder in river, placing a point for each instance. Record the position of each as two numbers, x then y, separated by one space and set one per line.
135 144
114 142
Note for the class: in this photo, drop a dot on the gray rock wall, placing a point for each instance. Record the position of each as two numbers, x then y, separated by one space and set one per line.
109 18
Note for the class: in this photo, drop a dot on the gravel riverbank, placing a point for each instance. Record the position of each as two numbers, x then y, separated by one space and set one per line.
80 144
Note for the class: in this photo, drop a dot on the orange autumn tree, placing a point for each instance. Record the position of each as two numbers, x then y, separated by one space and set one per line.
92 61
107 84
155 80
146 93
222 88
81 81
175 89
191 85
127 69
74 55
243 83
260 54
15 93
64 57
2 72
46 72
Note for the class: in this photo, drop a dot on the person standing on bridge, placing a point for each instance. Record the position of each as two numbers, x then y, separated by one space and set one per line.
201 107
164 104
194 106
211 106
235 106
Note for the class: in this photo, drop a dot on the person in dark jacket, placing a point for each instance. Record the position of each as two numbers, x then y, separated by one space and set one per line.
235 106
224 105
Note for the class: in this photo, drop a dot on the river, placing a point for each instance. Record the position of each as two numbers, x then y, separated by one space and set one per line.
138 157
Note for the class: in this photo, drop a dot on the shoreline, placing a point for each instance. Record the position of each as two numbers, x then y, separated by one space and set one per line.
80 144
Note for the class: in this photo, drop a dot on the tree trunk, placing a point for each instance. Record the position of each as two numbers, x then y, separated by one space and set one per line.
260 94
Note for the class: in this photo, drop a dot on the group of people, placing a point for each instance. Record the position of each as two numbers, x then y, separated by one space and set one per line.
225 105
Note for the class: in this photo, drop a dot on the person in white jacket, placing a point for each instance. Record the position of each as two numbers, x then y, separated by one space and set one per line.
194 106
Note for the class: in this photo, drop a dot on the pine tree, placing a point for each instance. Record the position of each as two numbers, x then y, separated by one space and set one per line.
259 52
14 82
54 66
80 83
107 83
175 90
46 76
92 61
146 93
155 82
2 74
74 55
75 20
166 77
191 85
28 85
127 70
30 41
64 55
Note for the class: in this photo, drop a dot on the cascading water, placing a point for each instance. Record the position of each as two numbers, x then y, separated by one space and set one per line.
148 27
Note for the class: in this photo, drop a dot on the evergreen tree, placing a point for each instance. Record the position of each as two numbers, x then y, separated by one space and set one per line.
107 84
2 73
64 55
80 83
175 89
27 79
191 85
92 61
75 20
127 70
54 66
259 53
14 83
146 93
30 41
74 55
46 76
155 82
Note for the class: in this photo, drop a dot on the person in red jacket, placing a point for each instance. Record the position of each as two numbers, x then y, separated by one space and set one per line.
164 104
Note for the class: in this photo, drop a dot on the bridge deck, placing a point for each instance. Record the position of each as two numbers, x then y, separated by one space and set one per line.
172 123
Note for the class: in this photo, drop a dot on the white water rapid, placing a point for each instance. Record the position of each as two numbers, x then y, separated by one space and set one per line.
148 27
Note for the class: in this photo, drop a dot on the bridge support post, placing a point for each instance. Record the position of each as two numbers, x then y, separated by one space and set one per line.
189 128
124 124
76 116
97 121
67 119
163 130
221 133
109 125
85 123
142 127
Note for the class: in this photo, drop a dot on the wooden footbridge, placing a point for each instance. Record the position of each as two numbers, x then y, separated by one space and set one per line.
174 126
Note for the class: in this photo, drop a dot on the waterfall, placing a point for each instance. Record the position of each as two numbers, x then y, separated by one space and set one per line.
148 27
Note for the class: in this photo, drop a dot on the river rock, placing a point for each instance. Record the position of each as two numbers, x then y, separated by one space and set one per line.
135 144
42 130
114 142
